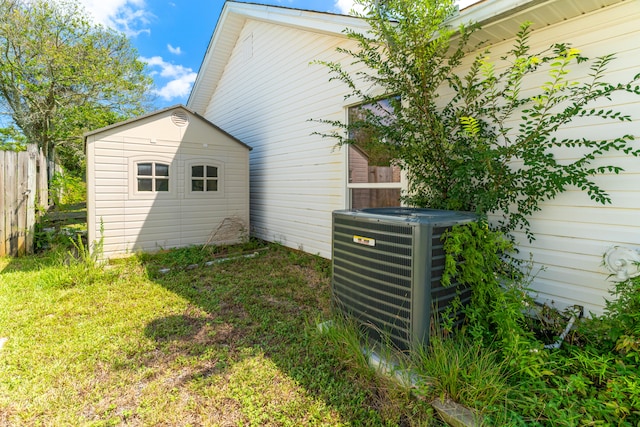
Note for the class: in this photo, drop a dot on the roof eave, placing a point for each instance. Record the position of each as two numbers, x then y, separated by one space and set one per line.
501 19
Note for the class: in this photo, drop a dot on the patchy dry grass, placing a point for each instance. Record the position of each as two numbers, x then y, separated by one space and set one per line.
233 343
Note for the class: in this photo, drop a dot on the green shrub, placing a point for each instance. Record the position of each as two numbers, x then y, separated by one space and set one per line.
480 258
622 318
458 131
67 189
593 378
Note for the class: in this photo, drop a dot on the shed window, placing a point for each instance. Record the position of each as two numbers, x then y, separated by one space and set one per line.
204 178
152 177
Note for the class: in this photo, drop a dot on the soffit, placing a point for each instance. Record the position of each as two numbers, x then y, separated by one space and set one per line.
501 19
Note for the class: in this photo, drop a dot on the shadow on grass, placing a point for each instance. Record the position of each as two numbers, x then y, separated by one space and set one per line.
262 310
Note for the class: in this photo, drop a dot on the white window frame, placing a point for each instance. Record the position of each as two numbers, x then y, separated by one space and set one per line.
402 185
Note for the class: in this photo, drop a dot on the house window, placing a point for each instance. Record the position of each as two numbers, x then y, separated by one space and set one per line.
374 178
204 178
152 177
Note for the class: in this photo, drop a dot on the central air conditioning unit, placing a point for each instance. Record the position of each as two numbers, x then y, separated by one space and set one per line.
387 264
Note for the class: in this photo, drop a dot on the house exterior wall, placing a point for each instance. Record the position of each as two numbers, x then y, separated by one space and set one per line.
269 90
134 221
268 94
572 232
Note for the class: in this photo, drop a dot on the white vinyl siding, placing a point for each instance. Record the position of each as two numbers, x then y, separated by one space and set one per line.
268 101
572 231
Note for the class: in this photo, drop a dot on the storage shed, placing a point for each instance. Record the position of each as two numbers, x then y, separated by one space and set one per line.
164 180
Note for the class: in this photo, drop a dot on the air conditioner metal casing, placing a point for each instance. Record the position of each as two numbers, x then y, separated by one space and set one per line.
387 264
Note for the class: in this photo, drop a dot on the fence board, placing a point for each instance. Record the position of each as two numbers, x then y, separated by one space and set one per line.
31 196
3 234
10 201
21 186
42 181
21 206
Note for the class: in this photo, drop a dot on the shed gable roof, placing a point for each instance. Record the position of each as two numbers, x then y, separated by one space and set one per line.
159 112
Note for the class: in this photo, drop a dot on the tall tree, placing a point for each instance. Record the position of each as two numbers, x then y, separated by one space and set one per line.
61 75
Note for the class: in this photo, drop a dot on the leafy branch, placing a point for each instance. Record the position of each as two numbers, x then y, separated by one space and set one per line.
476 140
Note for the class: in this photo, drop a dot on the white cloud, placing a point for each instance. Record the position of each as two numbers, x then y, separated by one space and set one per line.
174 50
180 78
347 7
128 16
176 88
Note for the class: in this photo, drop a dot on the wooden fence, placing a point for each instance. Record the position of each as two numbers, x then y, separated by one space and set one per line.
23 185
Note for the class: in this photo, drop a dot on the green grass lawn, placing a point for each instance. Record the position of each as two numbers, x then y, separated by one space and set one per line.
234 343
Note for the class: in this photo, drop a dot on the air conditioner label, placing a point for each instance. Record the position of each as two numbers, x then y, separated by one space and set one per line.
364 240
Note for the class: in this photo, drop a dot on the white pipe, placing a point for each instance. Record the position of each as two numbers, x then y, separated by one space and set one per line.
563 335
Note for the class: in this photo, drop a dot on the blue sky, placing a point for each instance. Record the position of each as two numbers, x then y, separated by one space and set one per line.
172 35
